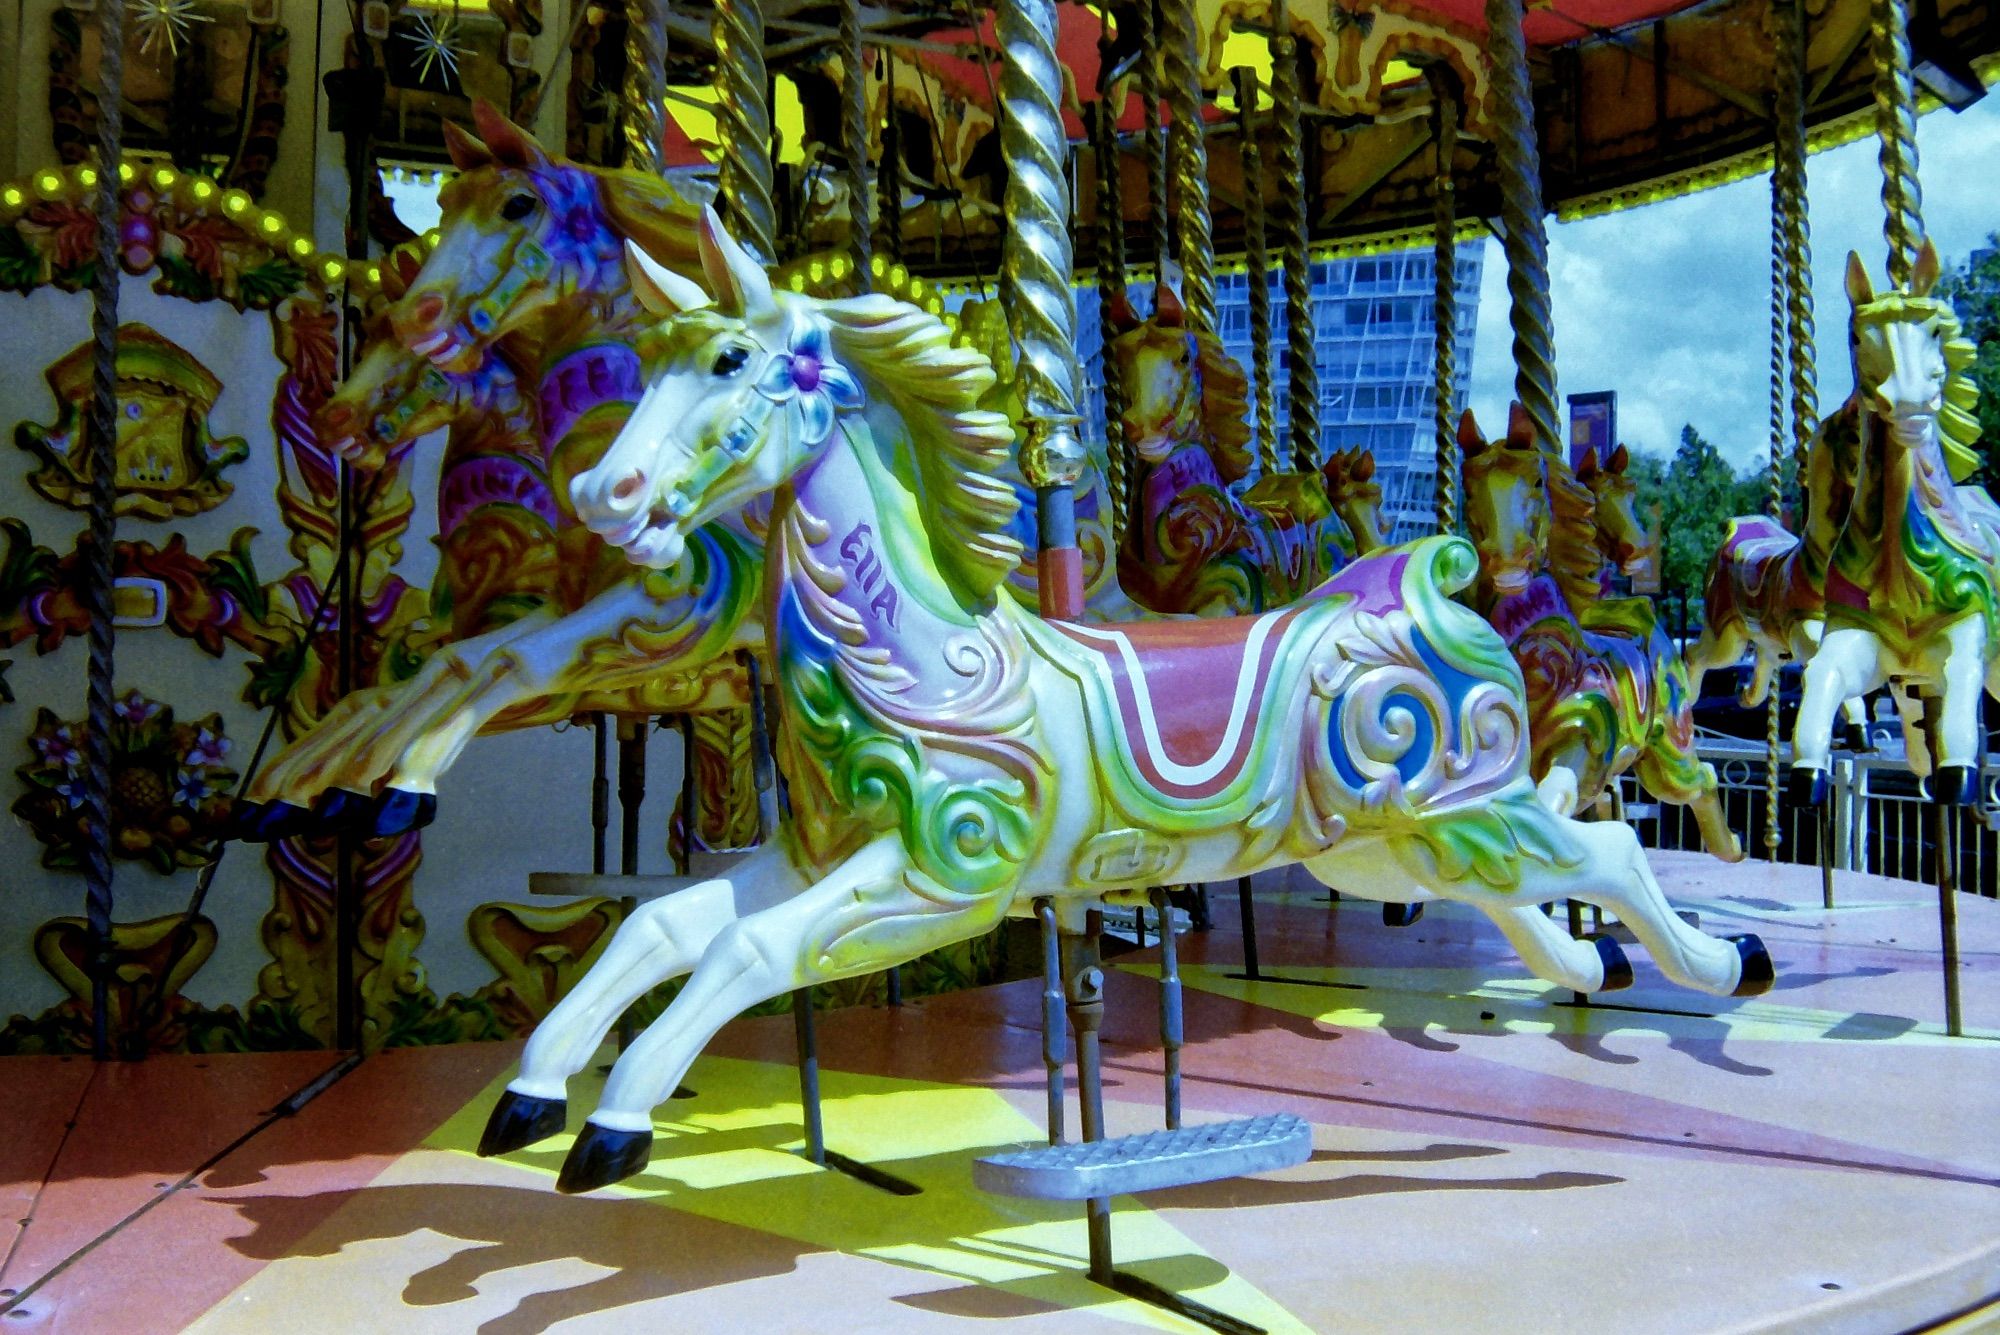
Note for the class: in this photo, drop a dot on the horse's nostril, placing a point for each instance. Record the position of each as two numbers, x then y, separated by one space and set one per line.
628 488
430 308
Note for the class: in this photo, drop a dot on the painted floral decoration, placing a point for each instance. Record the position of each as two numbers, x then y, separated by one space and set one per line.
816 387
169 786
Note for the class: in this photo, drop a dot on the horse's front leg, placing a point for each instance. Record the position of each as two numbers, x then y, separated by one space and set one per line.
661 940
1847 664
863 917
1955 779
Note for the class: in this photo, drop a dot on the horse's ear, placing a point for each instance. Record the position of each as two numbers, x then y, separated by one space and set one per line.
659 289
1925 275
1586 467
1469 439
1621 459
1167 308
1364 465
1860 291
741 286
401 271
1520 428
510 144
466 152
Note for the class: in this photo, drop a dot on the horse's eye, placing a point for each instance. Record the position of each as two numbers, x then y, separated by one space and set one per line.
730 360
517 207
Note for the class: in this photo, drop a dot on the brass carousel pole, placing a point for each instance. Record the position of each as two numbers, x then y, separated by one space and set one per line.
854 142
645 107
1110 244
1526 243
1301 339
1155 140
1257 265
1444 293
743 115
1188 153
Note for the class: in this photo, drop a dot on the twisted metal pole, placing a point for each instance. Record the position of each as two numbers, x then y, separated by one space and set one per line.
743 114
1896 127
1155 139
1034 287
1110 244
1257 264
645 120
1444 292
1526 243
1780 359
1181 69
854 136
97 869
892 164
1301 340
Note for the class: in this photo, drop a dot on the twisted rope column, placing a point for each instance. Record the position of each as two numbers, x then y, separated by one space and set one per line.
645 112
743 115
892 165
1181 68
1896 127
1526 242
1110 239
97 585
1301 350
854 141
1790 152
1034 287
1780 361
1257 261
1155 138
1444 292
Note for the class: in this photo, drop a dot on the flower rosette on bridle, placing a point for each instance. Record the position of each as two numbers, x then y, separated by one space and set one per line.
809 385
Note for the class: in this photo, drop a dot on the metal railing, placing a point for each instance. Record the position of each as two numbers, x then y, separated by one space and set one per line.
1880 819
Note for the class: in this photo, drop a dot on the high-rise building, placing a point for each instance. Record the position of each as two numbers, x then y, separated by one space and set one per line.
1373 335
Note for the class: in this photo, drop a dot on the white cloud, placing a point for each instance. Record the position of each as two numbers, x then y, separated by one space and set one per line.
1669 305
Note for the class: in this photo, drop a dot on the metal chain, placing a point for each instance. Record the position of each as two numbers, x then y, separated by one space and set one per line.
854 136
1257 263
744 115
1444 292
98 873
1526 243
1181 69
1301 343
645 111
1896 127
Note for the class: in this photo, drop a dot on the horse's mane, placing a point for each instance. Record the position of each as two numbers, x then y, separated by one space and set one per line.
961 450
1574 558
1225 408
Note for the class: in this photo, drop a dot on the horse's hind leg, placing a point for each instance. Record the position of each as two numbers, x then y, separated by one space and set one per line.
861 918
1959 735
661 940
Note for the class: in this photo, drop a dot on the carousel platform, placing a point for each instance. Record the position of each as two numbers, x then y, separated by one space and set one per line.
1488 1156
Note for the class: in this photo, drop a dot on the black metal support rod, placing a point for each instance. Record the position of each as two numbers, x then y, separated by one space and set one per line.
1945 827
807 1033
1053 1019
1248 906
686 867
631 796
600 792
1826 854
1083 975
1171 1021
1576 932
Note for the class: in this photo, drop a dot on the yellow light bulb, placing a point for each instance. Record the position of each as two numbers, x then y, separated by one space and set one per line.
236 201
818 271
87 175
126 172
375 274
48 183
332 269
203 188
12 197
301 246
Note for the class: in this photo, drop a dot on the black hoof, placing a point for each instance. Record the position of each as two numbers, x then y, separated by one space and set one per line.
398 811
1758 975
601 1157
1954 785
519 1120
267 822
1617 968
342 811
1809 787
1401 915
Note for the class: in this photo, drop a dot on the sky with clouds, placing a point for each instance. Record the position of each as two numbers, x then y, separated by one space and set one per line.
1669 305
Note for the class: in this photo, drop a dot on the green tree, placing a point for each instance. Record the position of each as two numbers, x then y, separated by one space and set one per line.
1973 288
1693 495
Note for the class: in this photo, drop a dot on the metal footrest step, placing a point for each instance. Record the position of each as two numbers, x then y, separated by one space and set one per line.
1150 1162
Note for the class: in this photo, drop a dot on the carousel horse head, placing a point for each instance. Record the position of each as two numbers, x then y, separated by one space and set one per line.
745 392
1180 386
1356 495
522 231
1911 359
1621 535
1506 500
